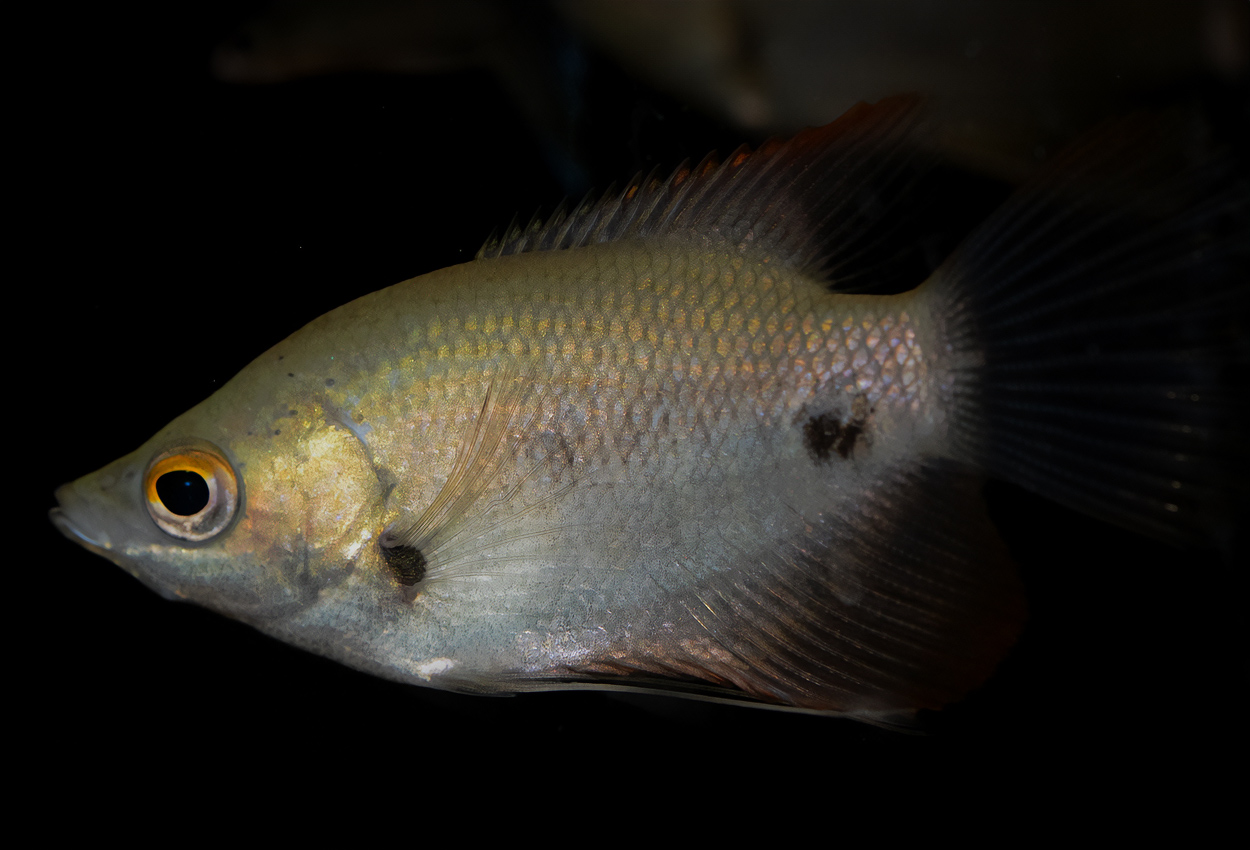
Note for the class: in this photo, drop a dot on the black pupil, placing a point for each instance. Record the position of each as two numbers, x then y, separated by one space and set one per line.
182 492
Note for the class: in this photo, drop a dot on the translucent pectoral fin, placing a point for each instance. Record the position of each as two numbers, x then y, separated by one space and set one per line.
486 472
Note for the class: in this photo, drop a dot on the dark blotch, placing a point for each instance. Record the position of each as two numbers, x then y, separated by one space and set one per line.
406 562
830 433
290 374
823 435
329 382
848 438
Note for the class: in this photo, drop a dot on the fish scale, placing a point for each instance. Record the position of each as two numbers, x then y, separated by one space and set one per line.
656 379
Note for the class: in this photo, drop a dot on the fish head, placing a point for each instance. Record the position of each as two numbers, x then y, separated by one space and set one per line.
251 509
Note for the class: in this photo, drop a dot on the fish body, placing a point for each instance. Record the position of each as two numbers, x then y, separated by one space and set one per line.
645 445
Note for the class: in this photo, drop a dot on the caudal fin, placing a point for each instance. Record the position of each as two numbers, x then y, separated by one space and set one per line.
1097 327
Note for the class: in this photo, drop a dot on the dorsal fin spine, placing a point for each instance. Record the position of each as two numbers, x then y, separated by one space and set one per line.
801 202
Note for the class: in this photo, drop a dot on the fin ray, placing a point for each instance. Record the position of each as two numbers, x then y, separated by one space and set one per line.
1096 323
818 202
879 607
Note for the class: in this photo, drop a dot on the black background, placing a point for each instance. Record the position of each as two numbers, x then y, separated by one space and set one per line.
177 226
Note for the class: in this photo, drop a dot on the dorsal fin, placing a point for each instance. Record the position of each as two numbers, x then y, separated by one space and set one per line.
812 202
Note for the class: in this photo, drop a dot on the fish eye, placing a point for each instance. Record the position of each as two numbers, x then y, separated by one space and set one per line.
192 492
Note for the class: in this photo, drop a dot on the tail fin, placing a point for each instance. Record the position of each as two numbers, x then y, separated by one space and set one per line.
1097 328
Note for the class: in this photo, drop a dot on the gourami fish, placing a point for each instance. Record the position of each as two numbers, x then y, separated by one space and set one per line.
662 441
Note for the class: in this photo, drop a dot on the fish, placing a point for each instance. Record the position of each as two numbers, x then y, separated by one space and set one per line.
672 440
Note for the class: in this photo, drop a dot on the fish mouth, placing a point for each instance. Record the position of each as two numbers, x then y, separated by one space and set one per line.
64 524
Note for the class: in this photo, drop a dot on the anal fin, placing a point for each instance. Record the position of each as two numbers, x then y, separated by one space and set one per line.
902 599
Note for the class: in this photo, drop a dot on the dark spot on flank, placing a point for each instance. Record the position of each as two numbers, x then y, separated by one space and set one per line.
290 374
329 382
823 435
566 450
277 431
280 356
406 562
830 433
848 439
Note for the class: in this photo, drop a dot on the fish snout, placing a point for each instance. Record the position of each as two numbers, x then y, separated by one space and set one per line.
73 517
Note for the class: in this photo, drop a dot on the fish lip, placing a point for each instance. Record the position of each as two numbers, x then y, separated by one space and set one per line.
66 526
